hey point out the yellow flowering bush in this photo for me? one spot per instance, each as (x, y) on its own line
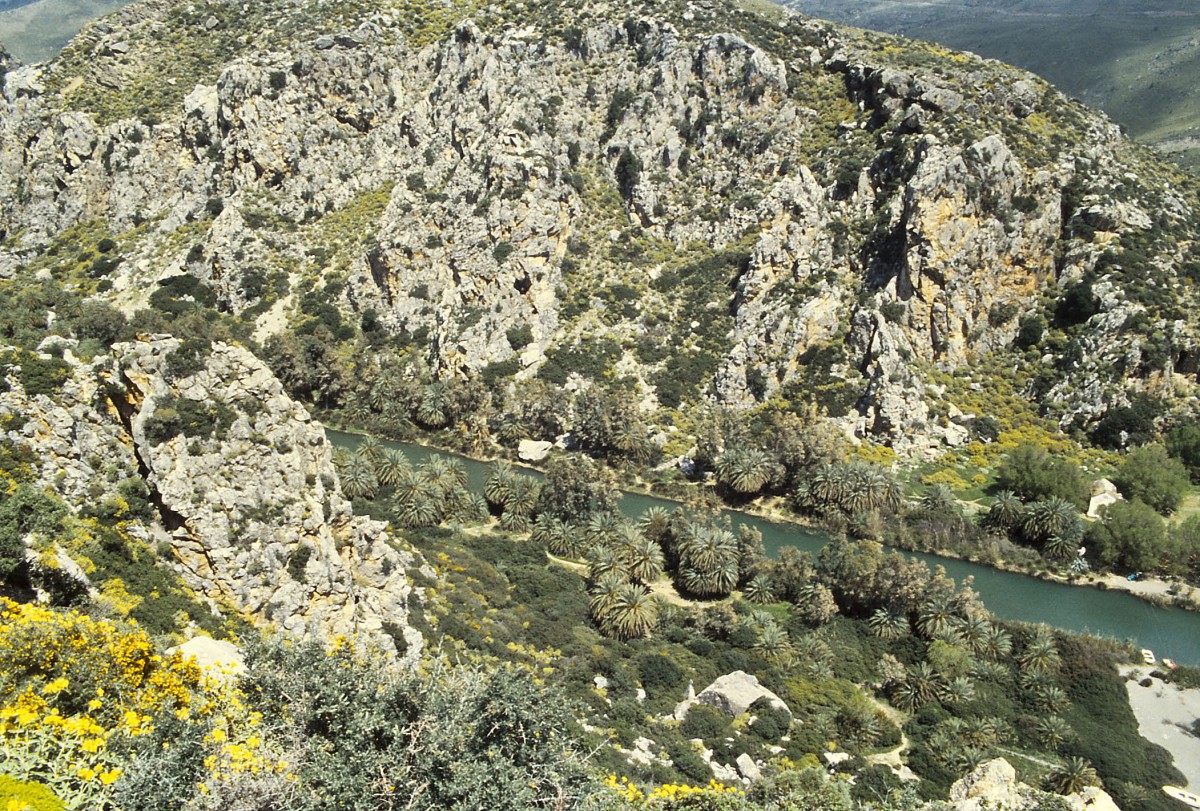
(70, 685)
(675, 796)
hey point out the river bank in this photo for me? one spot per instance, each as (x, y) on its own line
(1151, 590)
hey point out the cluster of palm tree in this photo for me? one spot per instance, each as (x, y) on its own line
(514, 495)
(747, 471)
(422, 495)
(709, 564)
(961, 744)
(622, 563)
(1052, 525)
(848, 489)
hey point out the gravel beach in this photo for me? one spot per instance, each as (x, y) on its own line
(1165, 714)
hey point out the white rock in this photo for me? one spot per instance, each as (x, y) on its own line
(534, 450)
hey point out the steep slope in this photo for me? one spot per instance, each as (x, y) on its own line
(706, 201)
(242, 480)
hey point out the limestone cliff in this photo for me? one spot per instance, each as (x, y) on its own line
(787, 206)
(242, 480)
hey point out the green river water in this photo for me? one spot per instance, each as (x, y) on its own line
(1168, 632)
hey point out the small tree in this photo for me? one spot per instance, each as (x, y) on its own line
(1034, 475)
(1150, 474)
(1131, 535)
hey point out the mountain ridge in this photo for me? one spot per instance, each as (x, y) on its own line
(910, 182)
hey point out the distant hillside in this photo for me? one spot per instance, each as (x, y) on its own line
(36, 31)
(1138, 61)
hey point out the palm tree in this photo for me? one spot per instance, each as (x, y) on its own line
(418, 503)
(445, 472)
(905, 697)
(1005, 513)
(391, 465)
(509, 431)
(938, 502)
(466, 507)
(358, 477)
(523, 496)
(420, 510)
(1072, 777)
(643, 558)
(1053, 731)
(888, 623)
(514, 522)
(370, 448)
(655, 524)
(634, 614)
(936, 619)
(433, 407)
(973, 632)
(724, 577)
(1052, 518)
(1061, 549)
(565, 542)
(758, 590)
(960, 690)
(603, 560)
(1052, 698)
(629, 439)
(997, 644)
(746, 470)
(603, 529)
(926, 682)
(695, 581)
(497, 487)
(604, 594)
(773, 641)
(707, 547)
(1040, 654)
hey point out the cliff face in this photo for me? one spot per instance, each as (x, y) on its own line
(788, 206)
(241, 477)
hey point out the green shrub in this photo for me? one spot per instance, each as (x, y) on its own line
(772, 722)
(1131, 535)
(502, 251)
(298, 561)
(458, 737)
(658, 672)
(519, 337)
(705, 722)
(38, 375)
(26, 509)
(1127, 425)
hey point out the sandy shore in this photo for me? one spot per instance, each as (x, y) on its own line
(1165, 714)
(1149, 588)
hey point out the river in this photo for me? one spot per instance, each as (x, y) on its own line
(1169, 632)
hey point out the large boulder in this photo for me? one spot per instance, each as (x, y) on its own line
(732, 694)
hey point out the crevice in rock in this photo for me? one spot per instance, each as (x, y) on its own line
(126, 410)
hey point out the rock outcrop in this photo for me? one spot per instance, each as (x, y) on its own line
(242, 479)
(790, 213)
(993, 786)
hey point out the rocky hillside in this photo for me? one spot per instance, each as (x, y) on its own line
(701, 200)
(246, 503)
